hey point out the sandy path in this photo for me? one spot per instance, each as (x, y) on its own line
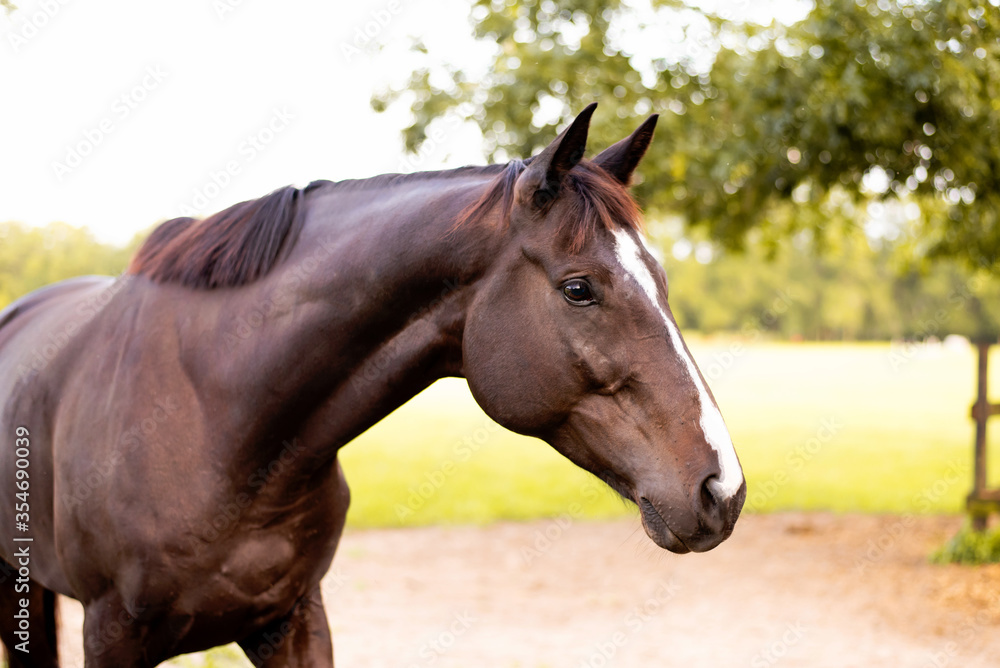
(786, 590)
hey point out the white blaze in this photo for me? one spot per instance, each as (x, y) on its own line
(712, 424)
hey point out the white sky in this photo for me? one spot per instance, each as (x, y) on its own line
(216, 80)
(164, 97)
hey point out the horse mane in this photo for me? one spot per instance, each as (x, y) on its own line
(233, 247)
(240, 244)
(602, 201)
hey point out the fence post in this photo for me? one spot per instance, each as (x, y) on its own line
(981, 413)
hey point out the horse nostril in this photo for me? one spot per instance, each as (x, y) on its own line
(719, 507)
(710, 501)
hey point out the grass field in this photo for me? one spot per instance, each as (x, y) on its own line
(843, 427)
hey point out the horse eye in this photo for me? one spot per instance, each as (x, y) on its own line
(577, 292)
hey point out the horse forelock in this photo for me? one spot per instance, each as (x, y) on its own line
(598, 201)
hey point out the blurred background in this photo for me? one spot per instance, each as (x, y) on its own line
(823, 188)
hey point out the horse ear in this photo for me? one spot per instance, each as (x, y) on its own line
(540, 182)
(621, 159)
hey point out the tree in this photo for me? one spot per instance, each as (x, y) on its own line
(31, 257)
(895, 99)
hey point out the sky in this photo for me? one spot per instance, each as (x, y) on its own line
(116, 115)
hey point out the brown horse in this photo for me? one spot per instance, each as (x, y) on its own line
(177, 427)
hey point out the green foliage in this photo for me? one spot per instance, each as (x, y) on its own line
(851, 291)
(901, 90)
(970, 547)
(31, 257)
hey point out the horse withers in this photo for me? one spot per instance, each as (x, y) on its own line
(183, 420)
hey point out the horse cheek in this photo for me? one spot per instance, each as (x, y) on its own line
(513, 371)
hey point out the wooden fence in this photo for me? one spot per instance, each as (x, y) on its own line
(982, 500)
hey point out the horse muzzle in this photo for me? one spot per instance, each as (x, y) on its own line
(696, 526)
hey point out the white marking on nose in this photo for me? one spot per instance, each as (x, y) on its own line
(712, 424)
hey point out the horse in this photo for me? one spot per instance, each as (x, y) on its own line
(175, 429)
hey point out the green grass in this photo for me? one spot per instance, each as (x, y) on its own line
(230, 656)
(970, 547)
(440, 459)
(898, 439)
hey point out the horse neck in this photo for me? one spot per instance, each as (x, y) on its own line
(367, 310)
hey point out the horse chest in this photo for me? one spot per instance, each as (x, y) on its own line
(243, 562)
(275, 556)
(254, 577)
(265, 565)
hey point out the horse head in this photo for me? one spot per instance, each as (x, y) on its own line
(570, 338)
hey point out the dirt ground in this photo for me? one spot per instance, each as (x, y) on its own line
(789, 590)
